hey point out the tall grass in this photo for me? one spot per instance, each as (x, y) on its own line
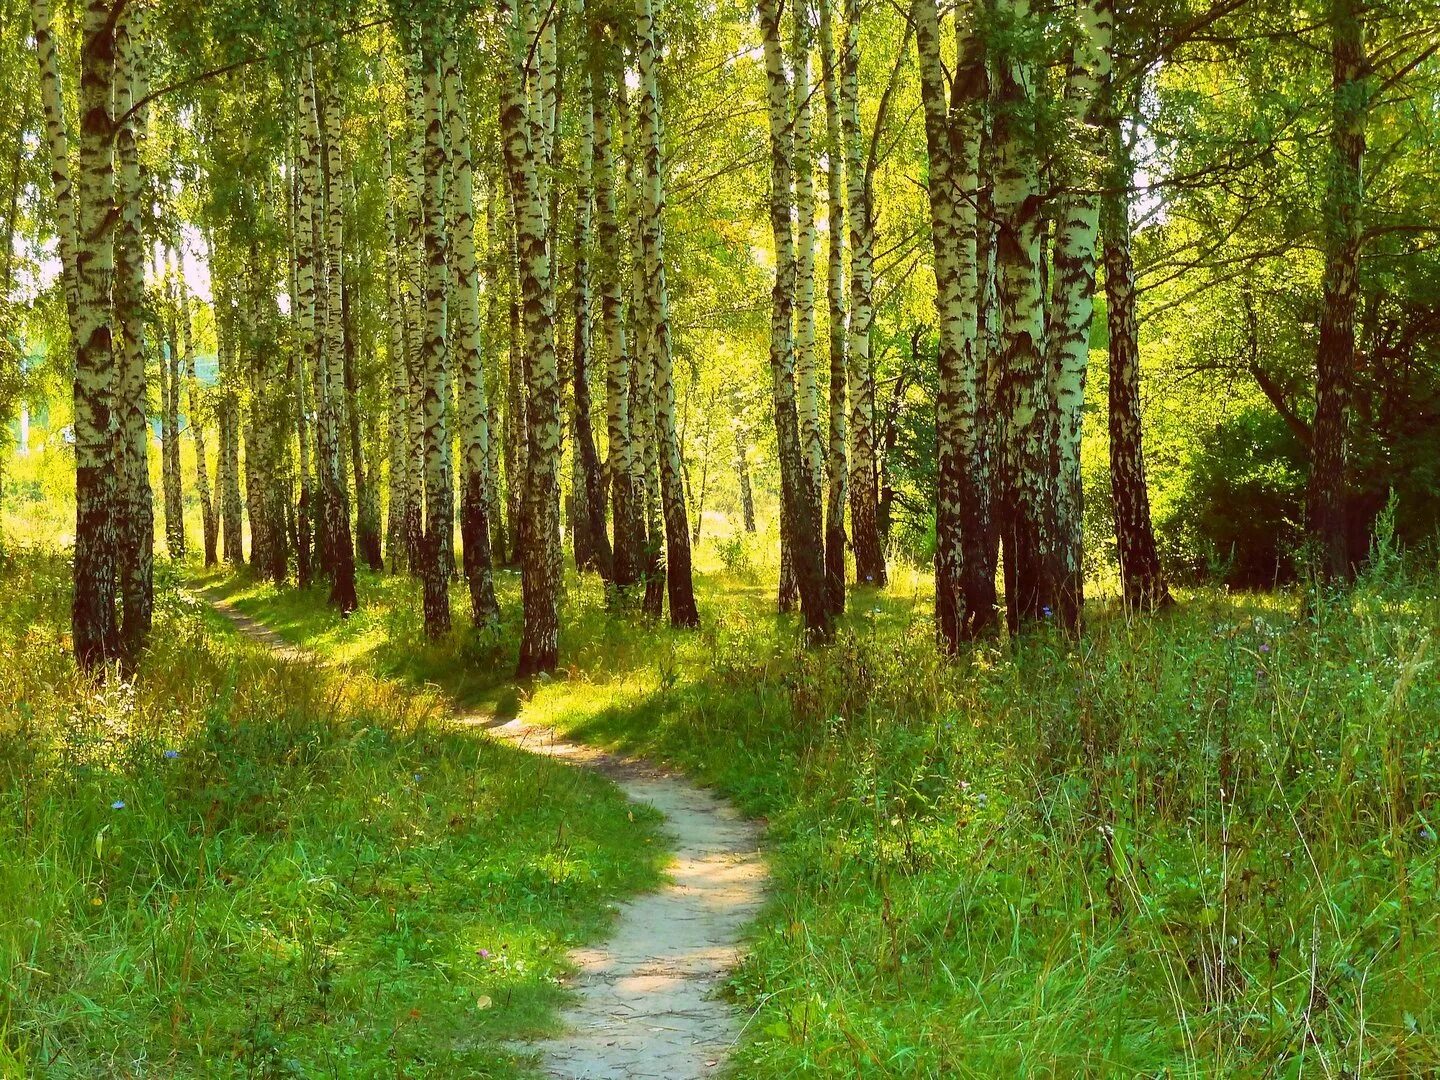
(238, 866)
(1202, 844)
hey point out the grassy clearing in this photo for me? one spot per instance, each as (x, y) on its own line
(241, 867)
(1198, 845)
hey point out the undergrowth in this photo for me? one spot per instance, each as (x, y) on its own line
(1200, 844)
(237, 866)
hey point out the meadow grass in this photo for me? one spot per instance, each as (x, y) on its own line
(239, 866)
(1199, 844)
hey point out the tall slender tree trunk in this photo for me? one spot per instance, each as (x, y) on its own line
(170, 418)
(416, 272)
(473, 410)
(802, 509)
(680, 584)
(398, 413)
(590, 535)
(836, 465)
(57, 138)
(135, 507)
(953, 121)
(1142, 579)
(864, 493)
(1335, 359)
(516, 428)
(305, 509)
(540, 577)
(627, 552)
(439, 514)
(93, 616)
(1077, 221)
(367, 496)
(1026, 489)
(231, 507)
(496, 265)
(642, 372)
(807, 361)
(742, 480)
(334, 489)
(209, 525)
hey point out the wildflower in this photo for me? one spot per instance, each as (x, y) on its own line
(418, 777)
(118, 804)
(982, 800)
(1265, 647)
(1427, 834)
(171, 755)
(1046, 611)
(484, 954)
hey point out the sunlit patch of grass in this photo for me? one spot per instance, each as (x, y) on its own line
(1197, 844)
(240, 866)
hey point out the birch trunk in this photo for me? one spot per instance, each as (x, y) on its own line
(802, 510)
(742, 480)
(473, 410)
(439, 514)
(495, 274)
(305, 510)
(1077, 222)
(209, 526)
(57, 138)
(397, 415)
(367, 496)
(170, 423)
(624, 498)
(807, 368)
(1141, 577)
(1026, 486)
(642, 372)
(680, 585)
(135, 509)
(330, 357)
(540, 579)
(231, 508)
(837, 467)
(415, 262)
(864, 493)
(516, 428)
(590, 535)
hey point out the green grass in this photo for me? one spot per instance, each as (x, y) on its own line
(1197, 845)
(311, 873)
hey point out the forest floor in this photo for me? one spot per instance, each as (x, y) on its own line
(1200, 844)
(646, 1006)
(249, 866)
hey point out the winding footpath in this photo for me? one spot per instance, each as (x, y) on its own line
(646, 1004)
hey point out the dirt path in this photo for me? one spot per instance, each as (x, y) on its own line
(646, 1005)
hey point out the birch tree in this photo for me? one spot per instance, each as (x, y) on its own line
(135, 512)
(209, 525)
(94, 625)
(592, 542)
(860, 213)
(439, 514)
(1026, 489)
(1077, 220)
(796, 493)
(680, 585)
(540, 576)
(623, 496)
(836, 465)
(473, 410)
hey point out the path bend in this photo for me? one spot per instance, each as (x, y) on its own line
(647, 1005)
